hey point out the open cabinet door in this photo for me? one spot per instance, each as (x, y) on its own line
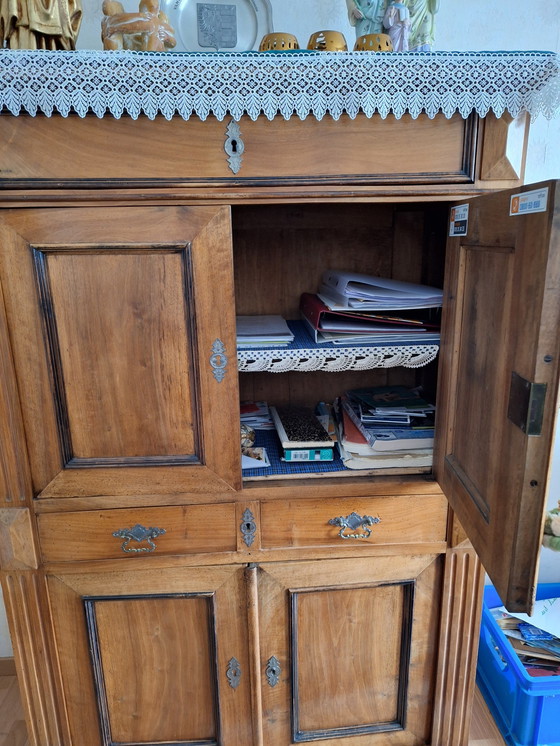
(498, 388)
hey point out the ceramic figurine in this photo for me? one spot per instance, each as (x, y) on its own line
(422, 24)
(366, 16)
(397, 23)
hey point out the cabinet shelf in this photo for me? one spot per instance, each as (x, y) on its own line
(280, 469)
(304, 355)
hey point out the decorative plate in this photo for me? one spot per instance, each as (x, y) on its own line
(218, 25)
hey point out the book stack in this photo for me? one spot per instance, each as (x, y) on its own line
(389, 421)
(262, 331)
(353, 308)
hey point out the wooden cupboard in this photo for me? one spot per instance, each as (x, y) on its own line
(156, 597)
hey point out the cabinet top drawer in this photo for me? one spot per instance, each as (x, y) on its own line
(254, 153)
(353, 521)
(110, 534)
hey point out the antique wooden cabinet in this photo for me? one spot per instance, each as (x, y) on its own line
(154, 595)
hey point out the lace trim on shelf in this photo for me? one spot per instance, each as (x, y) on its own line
(335, 360)
(286, 83)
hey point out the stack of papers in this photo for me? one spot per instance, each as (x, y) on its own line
(389, 418)
(535, 638)
(343, 290)
(256, 414)
(262, 331)
(356, 326)
(357, 453)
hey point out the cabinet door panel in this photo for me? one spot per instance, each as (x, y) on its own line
(367, 632)
(171, 640)
(144, 656)
(122, 321)
(500, 336)
(118, 365)
(355, 641)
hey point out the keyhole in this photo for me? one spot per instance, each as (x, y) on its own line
(234, 146)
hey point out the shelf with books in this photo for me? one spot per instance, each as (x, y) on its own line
(396, 463)
(303, 354)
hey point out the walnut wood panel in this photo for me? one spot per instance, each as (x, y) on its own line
(15, 482)
(281, 251)
(495, 163)
(306, 523)
(90, 148)
(501, 316)
(126, 389)
(353, 629)
(18, 550)
(162, 644)
(362, 149)
(356, 150)
(89, 535)
(272, 489)
(29, 618)
(356, 648)
(102, 309)
(458, 647)
(171, 640)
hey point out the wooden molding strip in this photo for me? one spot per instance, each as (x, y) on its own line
(251, 576)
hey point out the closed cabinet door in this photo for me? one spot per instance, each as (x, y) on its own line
(122, 328)
(153, 658)
(347, 650)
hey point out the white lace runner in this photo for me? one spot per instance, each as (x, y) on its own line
(290, 84)
(335, 360)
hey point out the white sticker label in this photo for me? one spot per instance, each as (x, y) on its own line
(459, 220)
(535, 201)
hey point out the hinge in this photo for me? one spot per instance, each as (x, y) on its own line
(526, 404)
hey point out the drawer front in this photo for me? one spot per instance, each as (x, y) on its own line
(297, 152)
(359, 151)
(110, 534)
(353, 521)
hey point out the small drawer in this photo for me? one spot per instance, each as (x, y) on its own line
(110, 534)
(354, 521)
(360, 151)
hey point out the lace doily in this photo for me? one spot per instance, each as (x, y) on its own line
(300, 84)
(335, 360)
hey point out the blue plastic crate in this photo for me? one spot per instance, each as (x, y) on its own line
(526, 708)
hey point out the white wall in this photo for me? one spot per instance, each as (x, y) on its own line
(461, 26)
(5, 645)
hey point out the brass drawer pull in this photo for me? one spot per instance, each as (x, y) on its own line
(352, 522)
(138, 533)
